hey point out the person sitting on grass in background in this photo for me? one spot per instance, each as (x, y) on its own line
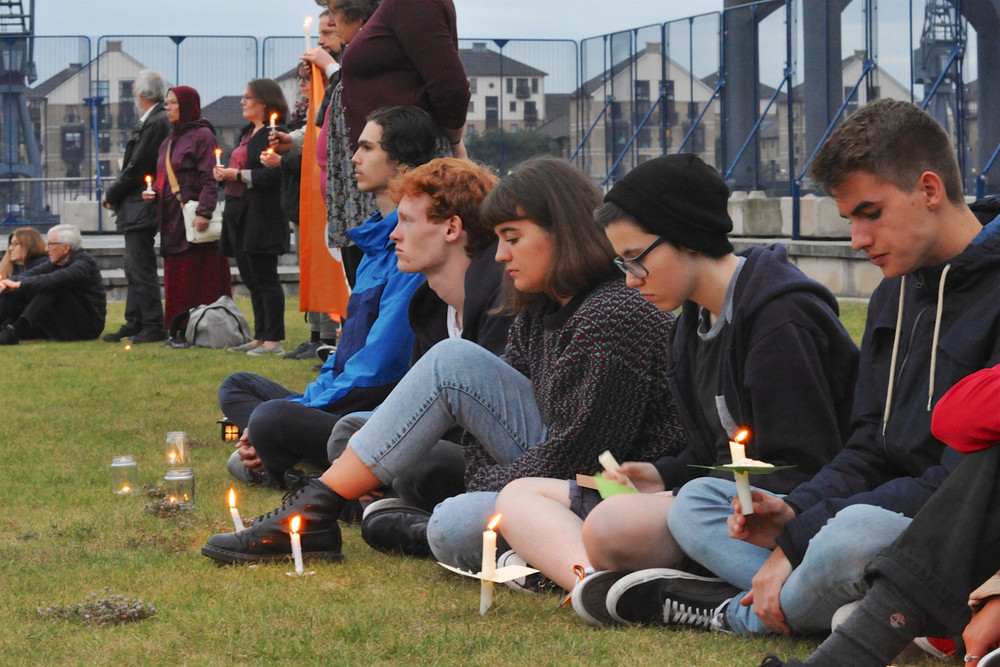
(281, 427)
(757, 345)
(25, 250)
(919, 583)
(61, 299)
(583, 371)
(797, 559)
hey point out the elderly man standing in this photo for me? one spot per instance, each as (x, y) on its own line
(137, 218)
(63, 299)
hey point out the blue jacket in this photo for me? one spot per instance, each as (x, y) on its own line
(788, 373)
(900, 465)
(374, 349)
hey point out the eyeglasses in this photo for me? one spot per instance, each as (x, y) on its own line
(634, 265)
(53, 243)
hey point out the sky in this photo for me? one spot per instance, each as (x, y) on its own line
(552, 19)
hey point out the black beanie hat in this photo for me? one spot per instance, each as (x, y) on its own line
(680, 198)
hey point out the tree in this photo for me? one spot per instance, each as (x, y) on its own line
(516, 147)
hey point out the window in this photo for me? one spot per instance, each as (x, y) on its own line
(530, 112)
(510, 85)
(470, 130)
(99, 89)
(513, 128)
(642, 90)
(472, 86)
(513, 107)
(534, 86)
(472, 106)
(104, 141)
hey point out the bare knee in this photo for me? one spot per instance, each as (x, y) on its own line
(629, 532)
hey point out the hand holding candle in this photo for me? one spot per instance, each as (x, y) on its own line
(149, 184)
(610, 465)
(237, 519)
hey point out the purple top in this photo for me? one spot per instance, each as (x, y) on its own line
(192, 156)
(407, 53)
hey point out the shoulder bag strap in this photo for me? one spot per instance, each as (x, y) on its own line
(174, 186)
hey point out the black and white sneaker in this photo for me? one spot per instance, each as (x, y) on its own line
(532, 583)
(661, 596)
(590, 595)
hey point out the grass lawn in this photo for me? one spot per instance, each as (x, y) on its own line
(69, 407)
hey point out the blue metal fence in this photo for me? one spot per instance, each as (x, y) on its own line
(736, 87)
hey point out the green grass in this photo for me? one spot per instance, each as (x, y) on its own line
(67, 408)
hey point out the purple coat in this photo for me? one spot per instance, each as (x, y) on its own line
(192, 155)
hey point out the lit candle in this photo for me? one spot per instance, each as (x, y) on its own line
(737, 450)
(305, 29)
(149, 184)
(172, 458)
(274, 117)
(489, 565)
(296, 543)
(270, 151)
(237, 519)
(218, 157)
(126, 489)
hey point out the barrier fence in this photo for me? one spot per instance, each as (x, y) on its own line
(736, 87)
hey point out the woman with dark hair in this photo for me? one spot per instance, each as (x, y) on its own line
(25, 250)
(254, 229)
(583, 371)
(193, 273)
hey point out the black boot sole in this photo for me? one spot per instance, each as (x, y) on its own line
(225, 556)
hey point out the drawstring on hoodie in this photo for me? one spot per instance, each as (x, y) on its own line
(895, 346)
(937, 332)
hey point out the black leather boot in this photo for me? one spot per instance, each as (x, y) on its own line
(394, 527)
(268, 538)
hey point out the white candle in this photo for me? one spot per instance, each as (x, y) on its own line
(305, 29)
(218, 157)
(237, 519)
(489, 566)
(274, 117)
(149, 184)
(738, 452)
(296, 544)
(610, 465)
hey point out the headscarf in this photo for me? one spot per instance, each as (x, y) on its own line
(189, 108)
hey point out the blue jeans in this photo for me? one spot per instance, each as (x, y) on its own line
(830, 575)
(457, 383)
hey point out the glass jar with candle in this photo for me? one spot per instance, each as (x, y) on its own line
(178, 485)
(177, 448)
(124, 474)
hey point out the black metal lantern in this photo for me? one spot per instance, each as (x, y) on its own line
(230, 431)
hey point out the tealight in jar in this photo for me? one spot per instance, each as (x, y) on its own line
(177, 448)
(124, 475)
(178, 485)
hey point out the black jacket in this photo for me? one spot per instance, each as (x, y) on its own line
(78, 275)
(255, 221)
(428, 313)
(900, 468)
(125, 193)
(788, 373)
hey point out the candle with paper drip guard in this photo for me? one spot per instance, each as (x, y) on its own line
(489, 574)
(738, 452)
(294, 524)
(305, 29)
(218, 157)
(149, 184)
(237, 519)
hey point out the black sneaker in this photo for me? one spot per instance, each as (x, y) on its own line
(661, 596)
(532, 583)
(775, 661)
(8, 336)
(392, 526)
(590, 595)
(323, 352)
(126, 330)
(306, 350)
(151, 335)
(267, 538)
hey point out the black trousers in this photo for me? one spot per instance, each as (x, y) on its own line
(952, 546)
(143, 307)
(259, 272)
(50, 314)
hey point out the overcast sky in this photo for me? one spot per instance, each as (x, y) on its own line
(562, 19)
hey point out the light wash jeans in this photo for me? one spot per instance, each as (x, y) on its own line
(456, 383)
(830, 575)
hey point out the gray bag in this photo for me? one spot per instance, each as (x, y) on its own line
(218, 324)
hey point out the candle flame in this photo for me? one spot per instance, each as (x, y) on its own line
(172, 499)
(296, 521)
(742, 435)
(307, 22)
(149, 179)
(172, 456)
(218, 152)
(128, 347)
(274, 117)
(126, 488)
(493, 522)
(232, 498)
